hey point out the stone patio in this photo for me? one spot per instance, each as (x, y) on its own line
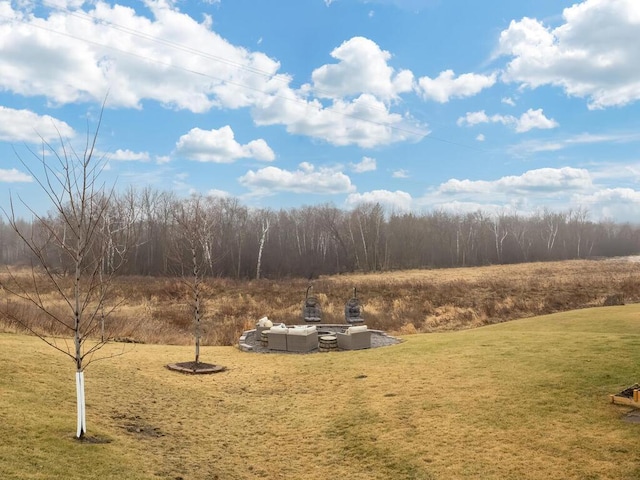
(249, 343)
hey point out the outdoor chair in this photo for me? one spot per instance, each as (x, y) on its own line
(311, 311)
(303, 338)
(353, 310)
(354, 338)
(277, 338)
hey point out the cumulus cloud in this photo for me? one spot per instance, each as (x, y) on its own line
(446, 86)
(28, 126)
(540, 180)
(306, 179)
(128, 156)
(14, 176)
(143, 58)
(367, 164)
(555, 188)
(364, 121)
(619, 203)
(528, 121)
(170, 58)
(394, 201)
(593, 54)
(220, 146)
(362, 68)
(216, 193)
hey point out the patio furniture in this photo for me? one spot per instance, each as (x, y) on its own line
(303, 338)
(311, 311)
(356, 337)
(353, 309)
(277, 338)
(262, 325)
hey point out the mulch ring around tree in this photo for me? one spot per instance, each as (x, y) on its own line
(195, 368)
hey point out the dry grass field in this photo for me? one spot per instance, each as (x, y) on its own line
(520, 400)
(156, 310)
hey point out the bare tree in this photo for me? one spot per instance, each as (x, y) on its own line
(193, 250)
(74, 234)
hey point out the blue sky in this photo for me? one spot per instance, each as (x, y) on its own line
(457, 105)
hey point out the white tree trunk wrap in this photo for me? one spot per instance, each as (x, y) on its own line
(82, 421)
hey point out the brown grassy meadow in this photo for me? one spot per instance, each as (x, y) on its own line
(156, 310)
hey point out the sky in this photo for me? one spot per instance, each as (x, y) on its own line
(452, 105)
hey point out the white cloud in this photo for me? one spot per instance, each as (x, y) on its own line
(362, 68)
(475, 118)
(533, 146)
(215, 193)
(619, 203)
(364, 121)
(528, 121)
(367, 164)
(547, 180)
(394, 201)
(14, 176)
(402, 173)
(480, 137)
(534, 119)
(144, 58)
(508, 101)
(220, 146)
(183, 64)
(307, 179)
(27, 126)
(559, 189)
(445, 86)
(593, 54)
(128, 156)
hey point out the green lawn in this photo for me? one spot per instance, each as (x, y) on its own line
(527, 399)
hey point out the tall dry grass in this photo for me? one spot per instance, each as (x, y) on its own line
(157, 310)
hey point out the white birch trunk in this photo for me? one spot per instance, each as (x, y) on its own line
(82, 421)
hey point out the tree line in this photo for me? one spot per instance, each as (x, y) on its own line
(161, 234)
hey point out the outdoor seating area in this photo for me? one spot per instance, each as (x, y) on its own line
(313, 336)
(305, 338)
(320, 338)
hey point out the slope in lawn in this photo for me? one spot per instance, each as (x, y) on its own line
(522, 400)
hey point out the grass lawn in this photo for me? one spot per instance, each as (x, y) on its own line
(526, 399)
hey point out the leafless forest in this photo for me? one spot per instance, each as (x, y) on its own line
(163, 233)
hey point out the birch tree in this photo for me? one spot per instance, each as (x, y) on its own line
(73, 233)
(193, 250)
(266, 223)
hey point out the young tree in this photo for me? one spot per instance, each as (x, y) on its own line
(74, 236)
(193, 250)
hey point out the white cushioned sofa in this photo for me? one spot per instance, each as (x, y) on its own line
(300, 338)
